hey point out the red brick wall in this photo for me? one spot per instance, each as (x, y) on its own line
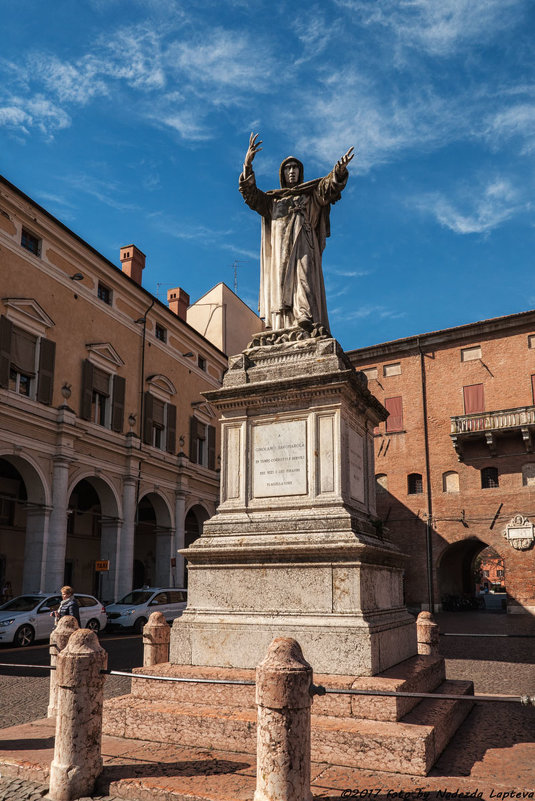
(505, 370)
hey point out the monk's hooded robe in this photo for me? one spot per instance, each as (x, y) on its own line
(295, 226)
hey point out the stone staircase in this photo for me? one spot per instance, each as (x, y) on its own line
(401, 735)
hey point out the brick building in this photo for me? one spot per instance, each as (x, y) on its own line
(107, 449)
(455, 461)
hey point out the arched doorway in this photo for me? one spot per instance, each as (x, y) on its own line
(92, 530)
(195, 519)
(23, 524)
(153, 543)
(456, 573)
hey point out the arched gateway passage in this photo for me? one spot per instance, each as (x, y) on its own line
(195, 519)
(153, 541)
(24, 513)
(458, 572)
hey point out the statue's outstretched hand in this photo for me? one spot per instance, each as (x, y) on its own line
(341, 165)
(253, 149)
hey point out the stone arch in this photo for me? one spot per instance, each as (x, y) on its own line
(196, 516)
(454, 568)
(450, 481)
(26, 499)
(153, 540)
(93, 530)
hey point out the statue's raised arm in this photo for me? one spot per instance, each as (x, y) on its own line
(253, 149)
(295, 225)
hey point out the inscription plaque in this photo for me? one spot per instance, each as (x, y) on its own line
(279, 459)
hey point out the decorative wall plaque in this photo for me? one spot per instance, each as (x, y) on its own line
(519, 533)
(279, 459)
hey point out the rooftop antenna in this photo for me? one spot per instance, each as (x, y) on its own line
(235, 265)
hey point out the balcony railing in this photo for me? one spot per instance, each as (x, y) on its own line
(493, 421)
(466, 426)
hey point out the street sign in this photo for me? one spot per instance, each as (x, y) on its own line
(102, 565)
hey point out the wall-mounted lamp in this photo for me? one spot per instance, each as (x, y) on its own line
(140, 320)
(188, 355)
(77, 277)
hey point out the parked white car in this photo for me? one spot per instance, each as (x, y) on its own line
(27, 617)
(134, 609)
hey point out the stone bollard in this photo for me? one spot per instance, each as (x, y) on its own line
(58, 640)
(427, 633)
(156, 638)
(283, 682)
(77, 761)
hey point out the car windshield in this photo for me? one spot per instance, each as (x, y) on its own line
(23, 603)
(136, 597)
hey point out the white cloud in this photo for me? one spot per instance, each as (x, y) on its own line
(474, 211)
(516, 121)
(369, 310)
(34, 112)
(439, 27)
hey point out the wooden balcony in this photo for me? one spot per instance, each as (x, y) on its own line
(490, 425)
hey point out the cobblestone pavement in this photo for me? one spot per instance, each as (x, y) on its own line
(21, 790)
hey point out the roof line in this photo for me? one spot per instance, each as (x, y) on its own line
(93, 250)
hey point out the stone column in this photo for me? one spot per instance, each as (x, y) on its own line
(77, 761)
(34, 549)
(283, 682)
(57, 527)
(156, 638)
(125, 551)
(58, 641)
(427, 633)
(180, 536)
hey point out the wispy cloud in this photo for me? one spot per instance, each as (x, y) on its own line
(516, 121)
(473, 210)
(438, 27)
(366, 311)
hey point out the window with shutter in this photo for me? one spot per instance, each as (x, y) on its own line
(102, 397)
(394, 407)
(474, 399)
(26, 362)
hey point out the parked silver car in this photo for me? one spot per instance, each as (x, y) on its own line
(134, 609)
(27, 617)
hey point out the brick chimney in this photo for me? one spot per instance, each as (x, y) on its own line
(132, 262)
(178, 301)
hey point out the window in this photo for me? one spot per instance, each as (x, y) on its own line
(471, 354)
(26, 362)
(159, 423)
(102, 399)
(202, 443)
(201, 362)
(7, 510)
(528, 474)
(533, 388)
(474, 399)
(392, 369)
(531, 341)
(394, 407)
(450, 481)
(500, 573)
(382, 481)
(370, 372)
(30, 242)
(489, 478)
(160, 333)
(104, 293)
(414, 484)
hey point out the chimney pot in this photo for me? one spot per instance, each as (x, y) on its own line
(132, 262)
(178, 302)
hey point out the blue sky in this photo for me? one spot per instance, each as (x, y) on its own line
(129, 121)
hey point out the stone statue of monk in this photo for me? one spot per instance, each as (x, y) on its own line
(295, 225)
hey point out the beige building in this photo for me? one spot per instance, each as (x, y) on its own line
(107, 449)
(223, 318)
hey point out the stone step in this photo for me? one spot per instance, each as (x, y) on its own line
(417, 674)
(410, 746)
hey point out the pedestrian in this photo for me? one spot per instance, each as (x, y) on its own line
(68, 606)
(7, 592)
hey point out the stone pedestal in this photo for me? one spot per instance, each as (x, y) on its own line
(294, 549)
